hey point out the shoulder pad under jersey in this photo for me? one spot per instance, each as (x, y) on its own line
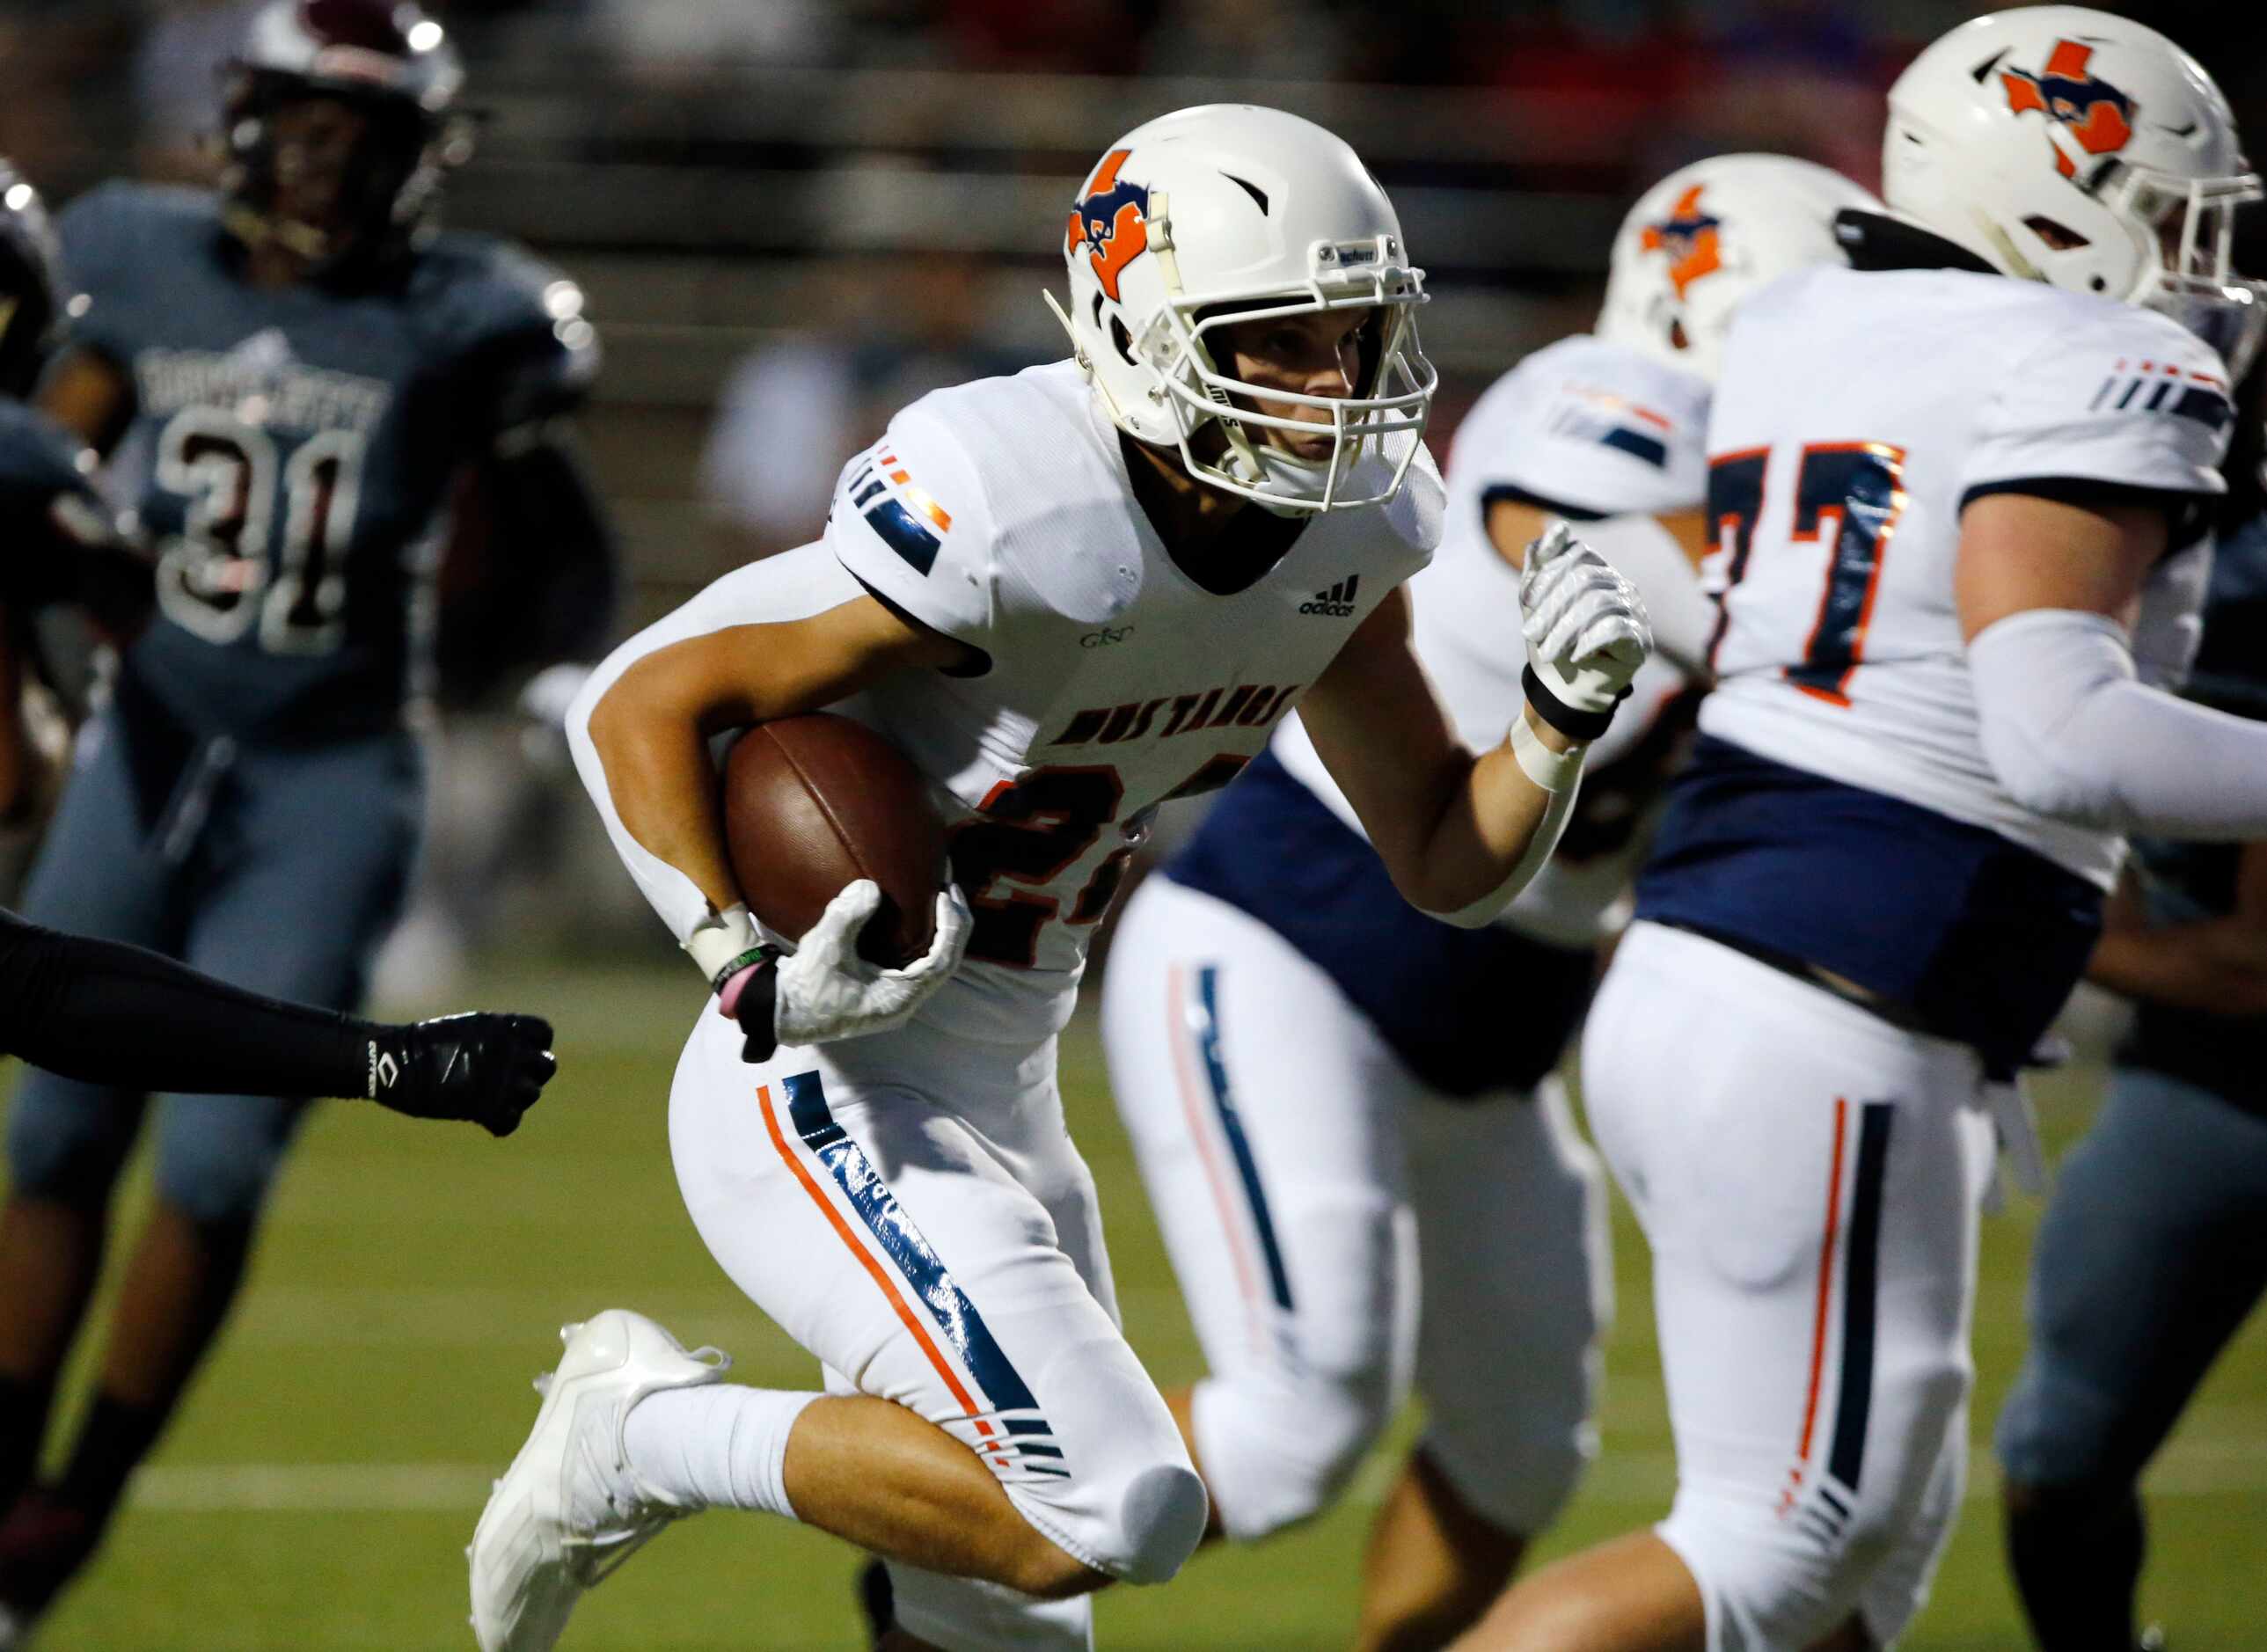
(1591, 428)
(911, 522)
(2097, 392)
(515, 321)
(126, 248)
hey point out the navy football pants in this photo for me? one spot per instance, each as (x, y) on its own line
(279, 871)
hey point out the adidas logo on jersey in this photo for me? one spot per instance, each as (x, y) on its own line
(1338, 602)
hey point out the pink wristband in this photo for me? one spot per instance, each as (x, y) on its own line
(728, 996)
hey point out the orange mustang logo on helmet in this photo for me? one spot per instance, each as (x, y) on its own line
(1690, 237)
(2096, 114)
(1108, 222)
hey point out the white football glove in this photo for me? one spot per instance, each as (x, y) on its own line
(823, 990)
(1586, 628)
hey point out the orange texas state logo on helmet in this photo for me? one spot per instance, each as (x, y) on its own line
(2097, 115)
(1109, 221)
(1690, 236)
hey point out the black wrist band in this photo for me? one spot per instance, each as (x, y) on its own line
(1574, 723)
(755, 957)
(757, 1014)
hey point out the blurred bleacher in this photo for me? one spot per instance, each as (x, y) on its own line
(791, 215)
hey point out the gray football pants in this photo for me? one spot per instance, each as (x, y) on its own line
(280, 870)
(2151, 1255)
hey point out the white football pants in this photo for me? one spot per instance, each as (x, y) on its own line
(1810, 1178)
(910, 1208)
(1306, 1182)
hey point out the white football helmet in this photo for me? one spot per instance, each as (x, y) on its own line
(2066, 145)
(1706, 236)
(1231, 213)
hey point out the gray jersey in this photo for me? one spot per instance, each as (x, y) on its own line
(291, 450)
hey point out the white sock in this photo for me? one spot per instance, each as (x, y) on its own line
(719, 1446)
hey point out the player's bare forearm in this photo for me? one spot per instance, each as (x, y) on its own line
(88, 396)
(2218, 965)
(651, 727)
(1450, 827)
(2215, 965)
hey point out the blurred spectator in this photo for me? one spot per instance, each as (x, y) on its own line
(1796, 77)
(59, 89)
(1281, 39)
(669, 38)
(794, 412)
(1085, 37)
(177, 75)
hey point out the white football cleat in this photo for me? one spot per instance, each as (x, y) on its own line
(569, 1510)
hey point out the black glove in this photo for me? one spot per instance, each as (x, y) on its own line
(485, 1069)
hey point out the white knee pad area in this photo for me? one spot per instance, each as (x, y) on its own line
(958, 1612)
(1279, 1444)
(1518, 1476)
(1777, 1584)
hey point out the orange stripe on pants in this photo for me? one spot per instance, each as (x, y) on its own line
(896, 1298)
(1825, 1294)
(1177, 1035)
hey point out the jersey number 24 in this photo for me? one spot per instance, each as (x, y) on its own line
(1032, 831)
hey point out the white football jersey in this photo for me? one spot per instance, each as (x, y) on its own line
(1857, 415)
(1612, 437)
(1001, 514)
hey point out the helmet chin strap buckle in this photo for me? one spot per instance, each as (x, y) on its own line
(2010, 257)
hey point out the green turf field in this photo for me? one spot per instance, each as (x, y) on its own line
(324, 1479)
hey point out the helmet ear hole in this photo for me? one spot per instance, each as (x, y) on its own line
(1678, 338)
(2059, 236)
(1120, 338)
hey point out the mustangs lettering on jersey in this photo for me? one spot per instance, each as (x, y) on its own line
(1054, 749)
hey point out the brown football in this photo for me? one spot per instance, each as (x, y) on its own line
(815, 802)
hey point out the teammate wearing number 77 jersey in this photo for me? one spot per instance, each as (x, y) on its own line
(1958, 488)
(1067, 595)
(289, 375)
(1365, 1175)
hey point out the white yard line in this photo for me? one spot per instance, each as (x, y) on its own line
(189, 1489)
(2200, 1468)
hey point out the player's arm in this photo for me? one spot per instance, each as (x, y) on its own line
(551, 581)
(2070, 497)
(550, 515)
(1659, 555)
(107, 1014)
(788, 635)
(2047, 592)
(1460, 835)
(647, 730)
(2217, 965)
(90, 395)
